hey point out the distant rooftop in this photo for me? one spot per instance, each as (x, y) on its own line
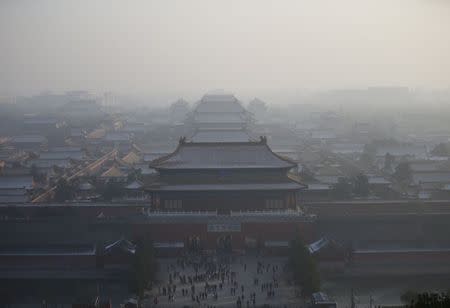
(117, 136)
(402, 150)
(16, 182)
(76, 155)
(221, 136)
(113, 172)
(219, 102)
(29, 139)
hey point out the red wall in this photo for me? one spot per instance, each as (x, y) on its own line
(51, 262)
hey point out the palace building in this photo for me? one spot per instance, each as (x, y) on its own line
(224, 177)
(220, 117)
(226, 196)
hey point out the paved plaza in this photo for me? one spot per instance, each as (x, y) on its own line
(223, 282)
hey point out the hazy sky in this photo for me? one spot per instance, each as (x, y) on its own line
(250, 47)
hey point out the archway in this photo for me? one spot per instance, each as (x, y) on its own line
(224, 243)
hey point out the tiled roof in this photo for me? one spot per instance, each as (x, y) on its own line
(29, 139)
(134, 185)
(148, 157)
(247, 155)
(61, 155)
(48, 163)
(219, 103)
(113, 172)
(232, 187)
(97, 133)
(121, 244)
(131, 158)
(430, 177)
(116, 136)
(318, 245)
(85, 186)
(219, 117)
(221, 136)
(15, 182)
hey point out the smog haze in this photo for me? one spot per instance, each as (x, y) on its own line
(173, 48)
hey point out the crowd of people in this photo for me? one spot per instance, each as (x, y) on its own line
(204, 280)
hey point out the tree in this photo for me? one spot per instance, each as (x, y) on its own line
(112, 190)
(388, 161)
(304, 267)
(361, 185)
(143, 267)
(368, 155)
(403, 172)
(37, 177)
(64, 191)
(442, 149)
(343, 188)
(134, 175)
(426, 300)
(409, 296)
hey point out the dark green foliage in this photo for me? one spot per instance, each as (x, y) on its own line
(442, 149)
(37, 176)
(134, 175)
(343, 189)
(429, 300)
(388, 161)
(368, 155)
(403, 172)
(64, 191)
(361, 185)
(304, 267)
(409, 296)
(112, 190)
(144, 266)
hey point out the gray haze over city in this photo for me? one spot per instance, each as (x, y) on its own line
(164, 49)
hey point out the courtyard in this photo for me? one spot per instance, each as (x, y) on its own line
(223, 281)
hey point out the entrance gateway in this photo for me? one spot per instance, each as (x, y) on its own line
(225, 238)
(224, 227)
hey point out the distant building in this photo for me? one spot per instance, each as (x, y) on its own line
(82, 112)
(118, 140)
(15, 189)
(220, 117)
(34, 143)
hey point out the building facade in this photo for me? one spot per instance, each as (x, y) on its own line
(234, 196)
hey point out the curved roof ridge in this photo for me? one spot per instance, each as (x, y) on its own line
(216, 155)
(286, 159)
